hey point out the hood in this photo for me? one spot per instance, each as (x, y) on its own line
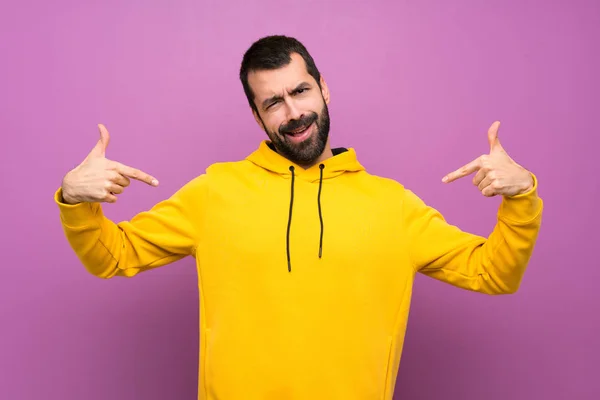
(343, 160)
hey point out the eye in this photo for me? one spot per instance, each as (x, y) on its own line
(272, 104)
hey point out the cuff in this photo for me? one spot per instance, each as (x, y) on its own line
(76, 215)
(522, 207)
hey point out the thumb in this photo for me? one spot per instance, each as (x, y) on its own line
(100, 149)
(493, 136)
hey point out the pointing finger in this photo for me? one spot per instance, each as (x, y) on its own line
(463, 171)
(135, 173)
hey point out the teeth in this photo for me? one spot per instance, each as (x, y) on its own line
(299, 130)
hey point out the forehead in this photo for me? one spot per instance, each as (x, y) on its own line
(267, 83)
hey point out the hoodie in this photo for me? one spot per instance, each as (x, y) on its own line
(305, 275)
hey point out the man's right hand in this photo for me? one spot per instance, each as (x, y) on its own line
(98, 179)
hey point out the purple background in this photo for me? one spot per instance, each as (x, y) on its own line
(414, 87)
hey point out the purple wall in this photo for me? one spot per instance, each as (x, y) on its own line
(414, 85)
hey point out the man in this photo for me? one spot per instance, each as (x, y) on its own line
(305, 261)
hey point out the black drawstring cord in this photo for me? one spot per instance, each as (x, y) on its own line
(290, 222)
(321, 166)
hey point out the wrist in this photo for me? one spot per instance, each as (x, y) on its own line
(66, 197)
(527, 184)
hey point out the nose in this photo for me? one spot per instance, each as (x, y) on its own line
(294, 112)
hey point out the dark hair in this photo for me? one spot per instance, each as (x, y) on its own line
(272, 52)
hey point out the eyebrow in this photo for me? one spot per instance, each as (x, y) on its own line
(277, 97)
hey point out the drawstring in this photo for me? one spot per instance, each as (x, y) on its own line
(287, 238)
(290, 222)
(321, 166)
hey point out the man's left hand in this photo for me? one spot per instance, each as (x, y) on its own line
(497, 173)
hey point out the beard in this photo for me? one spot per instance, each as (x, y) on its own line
(307, 151)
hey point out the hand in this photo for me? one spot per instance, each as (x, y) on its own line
(497, 173)
(98, 179)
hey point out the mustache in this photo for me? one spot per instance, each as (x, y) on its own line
(298, 123)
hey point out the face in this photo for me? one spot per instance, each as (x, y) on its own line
(292, 110)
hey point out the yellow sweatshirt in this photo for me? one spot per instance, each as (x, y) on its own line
(305, 276)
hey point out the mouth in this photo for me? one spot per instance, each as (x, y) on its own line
(300, 134)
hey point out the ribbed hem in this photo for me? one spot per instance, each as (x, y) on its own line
(523, 207)
(76, 215)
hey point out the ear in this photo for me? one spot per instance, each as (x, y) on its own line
(324, 90)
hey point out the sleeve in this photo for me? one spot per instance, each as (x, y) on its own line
(166, 233)
(492, 265)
